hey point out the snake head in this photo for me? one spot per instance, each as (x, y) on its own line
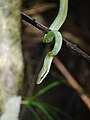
(45, 69)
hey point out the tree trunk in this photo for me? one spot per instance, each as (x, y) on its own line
(11, 59)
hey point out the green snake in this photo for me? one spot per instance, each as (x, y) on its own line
(55, 26)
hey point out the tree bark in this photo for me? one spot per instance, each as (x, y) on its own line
(11, 59)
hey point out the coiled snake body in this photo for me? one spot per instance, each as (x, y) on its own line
(55, 26)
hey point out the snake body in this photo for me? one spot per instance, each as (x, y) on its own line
(55, 26)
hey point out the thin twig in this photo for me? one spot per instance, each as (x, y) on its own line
(43, 28)
(72, 81)
(33, 22)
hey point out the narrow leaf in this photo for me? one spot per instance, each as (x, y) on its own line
(35, 114)
(45, 89)
(42, 108)
(51, 108)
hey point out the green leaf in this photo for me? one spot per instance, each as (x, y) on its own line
(35, 114)
(53, 109)
(51, 112)
(54, 114)
(45, 89)
(42, 108)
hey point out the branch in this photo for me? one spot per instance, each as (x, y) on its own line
(43, 28)
(72, 81)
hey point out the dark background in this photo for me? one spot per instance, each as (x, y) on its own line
(76, 29)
